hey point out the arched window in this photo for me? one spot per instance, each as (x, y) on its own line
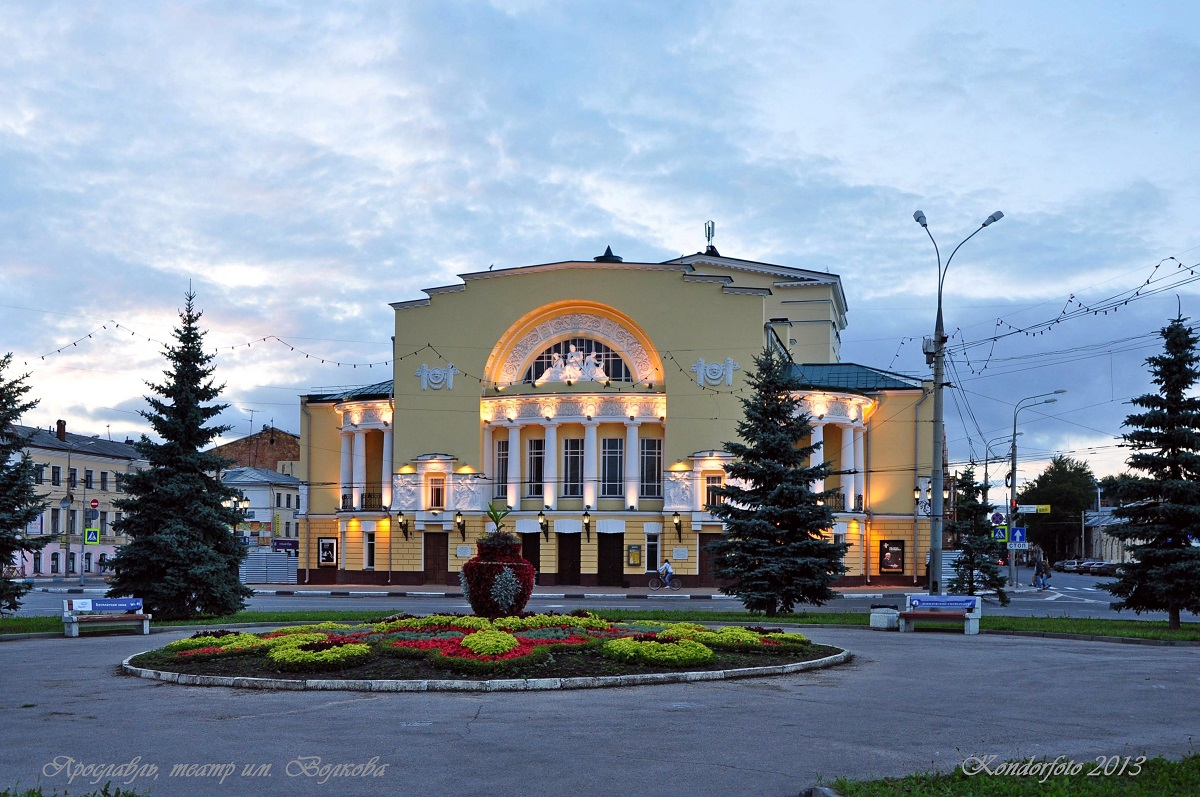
(610, 361)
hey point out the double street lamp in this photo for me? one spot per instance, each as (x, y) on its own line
(936, 353)
(1012, 496)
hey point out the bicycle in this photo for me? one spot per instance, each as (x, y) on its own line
(656, 583)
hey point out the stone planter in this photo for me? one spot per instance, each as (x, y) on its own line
(497, 582)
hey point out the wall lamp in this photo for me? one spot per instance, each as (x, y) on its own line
(678, 524)
(587, 524)
(402, 522)
(461, 525)
(544, 524)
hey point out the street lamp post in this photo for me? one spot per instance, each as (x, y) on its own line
(1012, 495)
(987, 456)
(935, 351)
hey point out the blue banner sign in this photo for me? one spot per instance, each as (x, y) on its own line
(116, 604)
(943, 602)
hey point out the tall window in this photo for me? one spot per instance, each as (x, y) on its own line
(712, 482)
(651, 467)
(500, 470)
(103, 562)
(87, 562)
(279, 500)
(369, 550)
(535, 468)
(55, 521)
(104, 480)
(104, 522)
(73, 478)
(437, 492)
(56, 475)
(39, 474)
(70, 563)
(573, 467)
(612, 467)
(71, 522)
(88, 478)
(37, 562)
(54, 560)
(287, 501)
(652, 562)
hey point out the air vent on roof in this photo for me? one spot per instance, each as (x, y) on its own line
(608, 257)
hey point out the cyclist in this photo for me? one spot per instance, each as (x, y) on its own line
(665, 571)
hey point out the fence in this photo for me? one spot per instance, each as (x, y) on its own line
(268, 567)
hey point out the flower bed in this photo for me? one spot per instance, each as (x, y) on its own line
(440, 646)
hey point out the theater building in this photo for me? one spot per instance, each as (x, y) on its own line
(594, 398)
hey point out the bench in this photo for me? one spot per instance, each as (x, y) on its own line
(104, 613)
(922, 608)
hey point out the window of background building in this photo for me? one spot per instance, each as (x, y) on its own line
(55, 521)
(87, 561)
(70, 563)
(104, 480)
(88, 478)
(279, 500)
(500, 470)
(39, 474)
(73, 477)
(37, 562)
(437, 492)
(572, 467)
(56, 475)
(712, 481)
(103, 562)
(71, 514)
(104, 522)
(368, 550)
(651, 467)
(287, 501)
(652, 562)
(535, 468)
(54, 562)
(612, 467)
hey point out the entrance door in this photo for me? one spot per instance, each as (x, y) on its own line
(568, 559)
(437, 556)
(610, 570)
(531, 549)
(707, 579)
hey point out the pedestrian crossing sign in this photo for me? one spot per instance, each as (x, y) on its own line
(1000, 534)
(91, 536)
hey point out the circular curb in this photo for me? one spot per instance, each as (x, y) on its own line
(502, 685)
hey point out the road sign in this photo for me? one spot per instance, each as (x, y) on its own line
(1017, 535)
(91, 536)
(997, 518)
(1018, 546)
(1000, 534)
(94, 503)
(91, 514)
(1034, 509)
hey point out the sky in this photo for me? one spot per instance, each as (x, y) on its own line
(302, 165)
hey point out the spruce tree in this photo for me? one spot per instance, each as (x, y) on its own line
(773, 549)
(1162, 508)
(182, 558)
(20, 504)
(976, 570)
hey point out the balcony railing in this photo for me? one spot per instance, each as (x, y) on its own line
(371, 502)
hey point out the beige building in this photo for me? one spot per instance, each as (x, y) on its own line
(80, 477)
(594, 397)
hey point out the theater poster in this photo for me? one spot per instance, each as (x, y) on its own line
(891, 556)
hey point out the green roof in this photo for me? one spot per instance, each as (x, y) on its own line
(379, 390)
(850, 376)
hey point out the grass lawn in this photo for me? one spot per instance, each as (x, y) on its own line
(1154, 778)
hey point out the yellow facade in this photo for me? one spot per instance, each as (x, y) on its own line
(594, 398)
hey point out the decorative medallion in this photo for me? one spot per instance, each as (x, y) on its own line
(713, 374)
(437, 378)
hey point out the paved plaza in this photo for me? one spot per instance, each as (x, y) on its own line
(906, 703)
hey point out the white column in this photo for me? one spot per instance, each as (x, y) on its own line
(514, 465)
(860, 478)
(360, 465)
(589, 463)
(488, 454)
(550, 467)
(632, 462)
(385, 476)
(346, 478)
(849, 462)
(818, 456)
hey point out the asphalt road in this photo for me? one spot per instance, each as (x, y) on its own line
(1070, 596)
(906, 703)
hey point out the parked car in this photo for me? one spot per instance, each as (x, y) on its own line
(1086, 566)
(1066, 565)
(1108, 569)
